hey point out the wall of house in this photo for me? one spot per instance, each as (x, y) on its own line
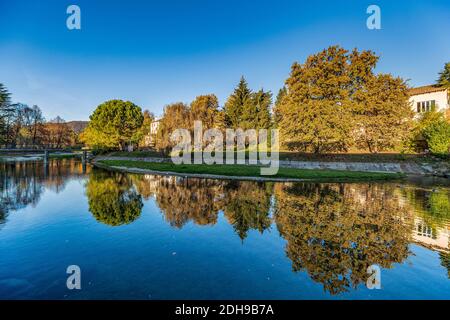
(441, 98)
(154, 127)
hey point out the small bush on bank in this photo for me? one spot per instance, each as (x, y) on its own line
(432, 133)
(437, 136)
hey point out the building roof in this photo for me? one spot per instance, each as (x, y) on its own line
(426, 89)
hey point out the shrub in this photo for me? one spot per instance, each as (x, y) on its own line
(431, 133)
(437, 136)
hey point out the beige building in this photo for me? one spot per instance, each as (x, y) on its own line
(149, 139)
(154, 126)
(427, 98)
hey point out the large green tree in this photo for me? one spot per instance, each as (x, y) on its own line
(114, 124)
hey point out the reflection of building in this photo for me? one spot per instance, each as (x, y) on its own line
(427, 98)
(434, 238)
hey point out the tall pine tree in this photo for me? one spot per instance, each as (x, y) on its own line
(246, 109)
(239, 100)
(263, 102)
(444, 76)
(282, 93)
(5, 112)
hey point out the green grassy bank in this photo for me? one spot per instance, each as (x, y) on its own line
(253, 171)
(326, 157)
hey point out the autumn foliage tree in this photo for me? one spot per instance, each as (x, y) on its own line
(316, 111)
(205, 108)
(143, 133)
(383, 115)
(176, 116)
(58, 133)
(335, 100)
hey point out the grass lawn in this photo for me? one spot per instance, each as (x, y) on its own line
(254, 171)
(137, 154)
(326, 157)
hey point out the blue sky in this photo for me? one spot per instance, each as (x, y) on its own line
(157, 52)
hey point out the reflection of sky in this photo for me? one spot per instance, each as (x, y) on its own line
(157, 52)
(150, 259)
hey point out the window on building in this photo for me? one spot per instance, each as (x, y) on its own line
(426, 106)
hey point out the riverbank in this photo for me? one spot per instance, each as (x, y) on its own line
(240, 172)
(410, 165)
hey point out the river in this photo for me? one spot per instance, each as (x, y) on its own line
(159, 237)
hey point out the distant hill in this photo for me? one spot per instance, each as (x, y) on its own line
(78, 126)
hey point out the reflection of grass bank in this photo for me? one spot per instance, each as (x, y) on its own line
(36, 156)
(64, 156)
(250, 171)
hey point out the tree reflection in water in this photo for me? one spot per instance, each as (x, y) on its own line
(333, 231)
(22, 183)
(336, 231)
(246, 205)
(182, 200)
(112, 198)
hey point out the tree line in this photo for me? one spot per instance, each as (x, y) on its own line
(333, 102)
(23, 126)
(244, 108)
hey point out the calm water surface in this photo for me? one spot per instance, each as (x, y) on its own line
(152, 237)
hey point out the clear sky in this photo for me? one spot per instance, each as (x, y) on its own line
(157, 52)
